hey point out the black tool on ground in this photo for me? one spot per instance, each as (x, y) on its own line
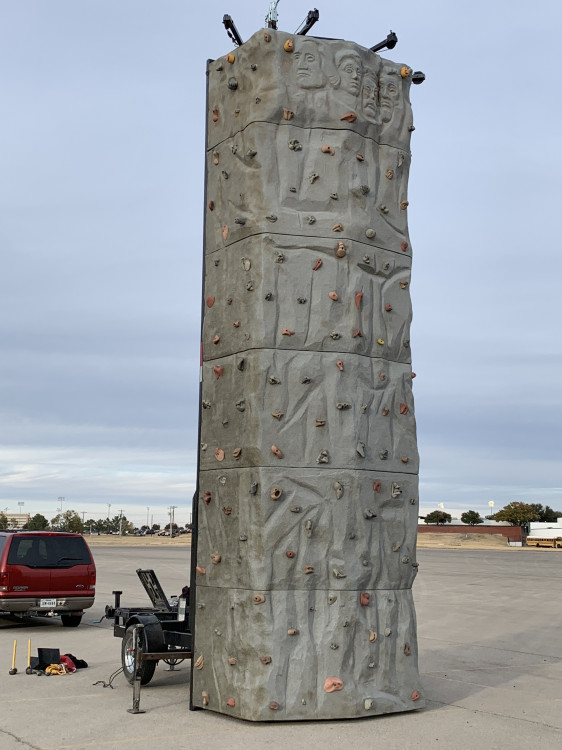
(231, 30)
(45, 657)
(308, 23)
(388, 43)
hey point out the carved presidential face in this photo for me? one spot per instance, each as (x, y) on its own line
(350, 69)
(389, 94)
(308, 66)
(369, 94)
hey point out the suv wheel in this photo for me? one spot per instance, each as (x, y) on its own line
(71, 621)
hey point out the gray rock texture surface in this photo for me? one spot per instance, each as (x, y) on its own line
(308, 499)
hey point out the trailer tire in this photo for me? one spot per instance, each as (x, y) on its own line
(128, 658)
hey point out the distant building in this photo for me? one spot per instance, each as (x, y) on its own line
(17, 520)
(546, 529)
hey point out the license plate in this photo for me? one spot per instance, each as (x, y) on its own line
(47, 602)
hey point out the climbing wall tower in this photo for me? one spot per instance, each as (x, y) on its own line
(307, 486)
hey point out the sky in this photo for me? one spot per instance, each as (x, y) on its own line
(102, 111)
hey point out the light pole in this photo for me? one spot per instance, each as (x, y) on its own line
(147, 512)
(61, 501)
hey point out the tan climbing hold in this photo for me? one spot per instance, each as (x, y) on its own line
(275, 450)
(216, 339)
(340, 250)
(277, 414)
(215, 558)
(292, 631)
(224, 233)
(205, 697)
(287, 332)
(403, 284)
(389, 174)
(265, 659)
(338, 227)
(308, 569)
(382, 377)
(339, 365)
(219, 454)
(333, 684)
(216, 157)
(404, 205)
(215, 115)
(227, 510)
(364, 599)
(333, 296)
(349, 117)
(236, 324)
(200, 570)
(358, 298)
(328, 150)
(267, 37)
(232, 660)
(320, 422)
(404, 408)
(199, 662)
(288, 114)
(404, 459)
(356, 333)
(218, 370)
(236, 453)
(275, 493)
(274, 706)
(258, 599)
(359, 157)
(415, 695)
(385, 412)
(372, 636)
(317, 264)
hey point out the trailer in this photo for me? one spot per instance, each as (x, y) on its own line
(151, 634)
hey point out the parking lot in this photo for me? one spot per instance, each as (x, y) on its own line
(490, 657)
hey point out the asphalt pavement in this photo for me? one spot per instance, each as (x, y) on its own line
(490, 656)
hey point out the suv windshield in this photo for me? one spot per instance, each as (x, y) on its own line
(48, 551)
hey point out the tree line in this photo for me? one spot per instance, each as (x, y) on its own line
(515, 513)
(71, 521)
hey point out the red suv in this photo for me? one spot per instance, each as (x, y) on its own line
(46, 573)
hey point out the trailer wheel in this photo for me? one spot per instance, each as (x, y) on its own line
(128, 658)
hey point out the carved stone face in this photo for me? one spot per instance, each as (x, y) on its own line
(389, 94)
(308, 66)
(350, 69)
(369, 97)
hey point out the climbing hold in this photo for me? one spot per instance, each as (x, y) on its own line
(333, 296)
(308, 569)
(382, 376)
(320, 422)
(383, 455)
(388, 307)
(310, 219)
(199, 662)
(359, 157)
(219, 454)
(210, 301)
(277, 414)
(206, 404)
(343, 405)
(323, 457)
(243, 538)
(332, 598)
(292, 631)
(404, 205)
(338, 489)
(404, 247)
(250, 153)
(339, 365)
(216, 339)
(240, 220)
(404, 459)
(200, 570)
(211, 205)
(301, 300)
(364, 599)
(271, 218)
(232, 660)
(388, 632)
(288, 114)
(349, 117)
(236, 453)
(241, 365)
(403, 284)
(385, 412)
(225, 174)
(265, 659)
(289, 45)
(207, 497)
(377, 486)
(360, 449)
(407, 649)
(273, 380)
(415, 695)
(389, 174)
(368, 513)
(287, 332)
(395, 490)
(267, 37)
(306, 380)
(205, 698)
(372, 636)
(232, 85)
(227, 510)
(356, 333)
(276, 493)
(296, 509)
(338, 573)
(246, 264)
(370, 233)
(290, 554)
(269, 296)
(215, 115)
(295, 145)
(230, 58)
(231, 702)
(258, 599)
(383, 209)
(224, 233)
(403, 408)
(317, 264)
(253, 488)
(413, 375)
(380, 342)
(338, 227)
(340, 250)
(216, 157)
(358, 298)
(275, 450)
(328, 150)
(334, 196)
(312, 178)
(333, 684)
(405, 71)
(308, 528)
(274, 706)
(215, 558)
(405, 560)
(335, 335)
(236, 324)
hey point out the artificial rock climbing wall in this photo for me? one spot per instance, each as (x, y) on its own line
(308, 500)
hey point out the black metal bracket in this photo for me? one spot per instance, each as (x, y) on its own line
(231, 30)
(388, 43)
(308, 23)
